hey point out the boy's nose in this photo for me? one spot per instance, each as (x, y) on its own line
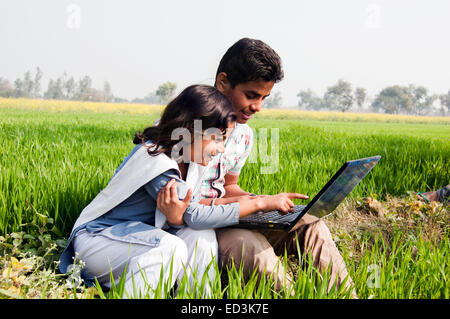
(256, 107)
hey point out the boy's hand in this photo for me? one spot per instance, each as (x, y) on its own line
(170, 205)
(282, 202)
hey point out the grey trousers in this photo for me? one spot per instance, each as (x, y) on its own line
(189, 253)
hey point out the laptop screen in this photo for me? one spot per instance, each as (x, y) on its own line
(341, 184)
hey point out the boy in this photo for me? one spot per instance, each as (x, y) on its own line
(246, 75)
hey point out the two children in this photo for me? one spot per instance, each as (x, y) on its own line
(147, 218)
(122, 227)
(246, 75)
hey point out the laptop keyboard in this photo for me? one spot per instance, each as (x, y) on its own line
(274, 215)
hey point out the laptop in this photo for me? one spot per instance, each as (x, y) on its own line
(322, 205)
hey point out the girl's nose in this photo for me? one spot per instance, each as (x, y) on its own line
(221, 148)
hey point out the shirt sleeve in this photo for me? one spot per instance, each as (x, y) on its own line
(247, 142)
(196, 216)
(154, 186)
(199, 216)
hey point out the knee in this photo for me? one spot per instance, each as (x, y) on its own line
(318, 233)
(206, 242)
(237, 245)
(321, 229)
(177, 249)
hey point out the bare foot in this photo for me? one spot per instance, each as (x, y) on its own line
(430, 196)
(440, 195)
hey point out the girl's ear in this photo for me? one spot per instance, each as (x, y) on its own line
(222, 82)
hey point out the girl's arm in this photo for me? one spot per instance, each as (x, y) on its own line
(169, 204)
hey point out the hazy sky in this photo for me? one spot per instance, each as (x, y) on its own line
(137, 45)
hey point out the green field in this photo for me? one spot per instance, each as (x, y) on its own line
(53, 164)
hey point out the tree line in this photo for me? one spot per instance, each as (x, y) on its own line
(342, 97)
(68, 88)
(393, 99)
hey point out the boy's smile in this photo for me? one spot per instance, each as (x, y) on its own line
(246, 98)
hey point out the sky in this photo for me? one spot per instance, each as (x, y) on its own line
(137, 45)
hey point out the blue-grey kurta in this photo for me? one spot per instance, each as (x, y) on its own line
(133, 220)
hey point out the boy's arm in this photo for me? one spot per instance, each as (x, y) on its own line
(232, 192)
(232, 188)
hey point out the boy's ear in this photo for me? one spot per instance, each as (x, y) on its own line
(222, 82)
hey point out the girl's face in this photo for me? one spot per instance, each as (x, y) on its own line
(213, 143)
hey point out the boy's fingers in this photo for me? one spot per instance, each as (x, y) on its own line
(297, 195)
(284, 209)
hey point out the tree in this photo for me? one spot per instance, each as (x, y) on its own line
(444, 100)
(91, 94)
(309, 100)
(108, 97)
(421, 102)
(37, 83)
(150, 98)
(6, 89)
(360, 96)
(69, 87)
(63, 88)
(273, 101)
(49, 93)
(28, 85)
(18, 88)
(165, 91)
(118, 99)
(339, 96)
(83, 84)
(393, 99)
(55, 89)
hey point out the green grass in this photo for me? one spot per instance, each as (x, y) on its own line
(404, 269)
(414, 156)
(53, 164)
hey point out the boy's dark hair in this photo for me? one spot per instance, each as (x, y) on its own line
(196, 102)
(250, 60)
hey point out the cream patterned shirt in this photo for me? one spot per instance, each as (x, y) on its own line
(237, 149)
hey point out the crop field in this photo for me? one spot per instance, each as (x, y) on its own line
(56, 156)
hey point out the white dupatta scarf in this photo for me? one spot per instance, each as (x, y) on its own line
(137, 171)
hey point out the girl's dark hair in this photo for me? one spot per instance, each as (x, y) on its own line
(196, 102)
(250, 60)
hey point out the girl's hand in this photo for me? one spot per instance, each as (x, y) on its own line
(282, 202)
(170, 205)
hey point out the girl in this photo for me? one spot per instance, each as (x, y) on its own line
(123, 229)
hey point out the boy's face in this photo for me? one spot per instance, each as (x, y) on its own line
(246, 98)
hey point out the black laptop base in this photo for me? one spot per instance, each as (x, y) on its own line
(251, 221)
